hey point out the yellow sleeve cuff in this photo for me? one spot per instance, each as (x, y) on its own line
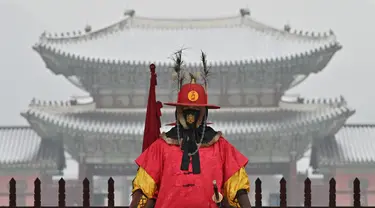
(236, 182)
(145, 183)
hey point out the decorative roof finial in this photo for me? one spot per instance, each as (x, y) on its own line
(245, 12)
(129, 12)
(88, 28)
(287, 27)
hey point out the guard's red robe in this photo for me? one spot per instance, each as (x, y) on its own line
(160, 174)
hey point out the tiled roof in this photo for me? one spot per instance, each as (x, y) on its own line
(330, 101)
(354, 144)
(133, 20)
(20, 146)
(278, 120)
(250, 42)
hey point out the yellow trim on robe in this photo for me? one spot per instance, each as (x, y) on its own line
(236, 182)
(145, 183)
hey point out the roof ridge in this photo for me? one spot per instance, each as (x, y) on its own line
(337, 100)
(360, 125)
(72, 103)
(15, 127)
(326, 102)
(131, 20)
(194, 19)
(287, 31)
(44, 103)
(57, 103)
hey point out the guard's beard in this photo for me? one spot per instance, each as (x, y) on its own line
(191, 117)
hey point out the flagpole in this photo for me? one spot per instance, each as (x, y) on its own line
(153, 113)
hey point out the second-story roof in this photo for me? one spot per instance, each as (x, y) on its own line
(285, 119)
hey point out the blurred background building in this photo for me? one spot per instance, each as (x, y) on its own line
(101, 135)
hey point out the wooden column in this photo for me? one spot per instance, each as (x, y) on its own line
(86, 171)
(49, 197)
(242, 88)
(224, 96)
(292, 182)
(126, 193)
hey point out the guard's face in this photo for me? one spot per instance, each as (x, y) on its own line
(191, 116)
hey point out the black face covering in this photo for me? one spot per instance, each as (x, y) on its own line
(191, 117)
(191, 136)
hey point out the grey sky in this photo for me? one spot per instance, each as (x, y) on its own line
(24, 75)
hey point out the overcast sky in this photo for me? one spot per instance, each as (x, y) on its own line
(24, 76)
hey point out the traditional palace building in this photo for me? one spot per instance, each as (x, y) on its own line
(253, 65)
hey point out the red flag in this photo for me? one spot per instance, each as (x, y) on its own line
(153, 113)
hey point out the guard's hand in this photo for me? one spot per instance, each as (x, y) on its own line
(150, 203)
(244, 201)
(136, 197)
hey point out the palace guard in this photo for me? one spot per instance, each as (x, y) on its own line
(181, 167)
